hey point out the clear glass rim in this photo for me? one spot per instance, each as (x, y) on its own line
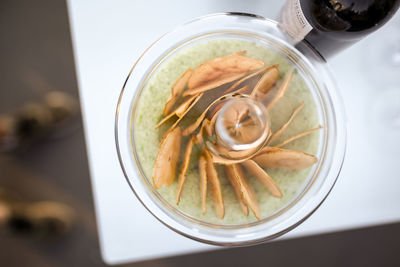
(200, 234)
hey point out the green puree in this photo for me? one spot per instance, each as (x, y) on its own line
(149, 112)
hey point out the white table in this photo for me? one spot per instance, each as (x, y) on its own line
(109, 36)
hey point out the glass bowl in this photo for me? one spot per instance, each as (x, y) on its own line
(309, 65)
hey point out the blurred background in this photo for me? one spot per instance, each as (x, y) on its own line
(46, 206)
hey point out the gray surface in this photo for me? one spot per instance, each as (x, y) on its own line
(36, 56)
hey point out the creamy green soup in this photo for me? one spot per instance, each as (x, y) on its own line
(149, 113)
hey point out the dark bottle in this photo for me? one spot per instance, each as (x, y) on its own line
(330, 26)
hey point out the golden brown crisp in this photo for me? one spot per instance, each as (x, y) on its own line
(219, 71)
(164, 171)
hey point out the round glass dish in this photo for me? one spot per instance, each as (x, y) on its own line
(314, 71)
